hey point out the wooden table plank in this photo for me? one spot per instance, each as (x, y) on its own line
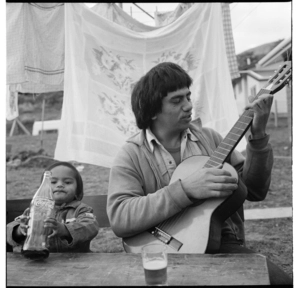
(117, 269)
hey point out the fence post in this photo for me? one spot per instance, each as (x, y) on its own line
(276, 114)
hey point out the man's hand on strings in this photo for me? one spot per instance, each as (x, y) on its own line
(261, 108)
(209, 182)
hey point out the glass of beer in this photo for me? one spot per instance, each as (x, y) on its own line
(155, 264)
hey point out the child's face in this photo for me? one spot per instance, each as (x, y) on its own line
(64, 184)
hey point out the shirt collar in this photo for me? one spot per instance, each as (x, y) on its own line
(189, 134)
(151, 137)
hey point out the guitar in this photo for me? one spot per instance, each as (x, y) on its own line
(197, 228)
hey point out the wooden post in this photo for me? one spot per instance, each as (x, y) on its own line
(275, 114)
(289, 110)
(12, 129)
(20, 124)
(43, 116)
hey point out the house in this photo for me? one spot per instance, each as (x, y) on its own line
(256, 77)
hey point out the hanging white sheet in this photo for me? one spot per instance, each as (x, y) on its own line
(103, 60)
(35, 46)
(164, 18)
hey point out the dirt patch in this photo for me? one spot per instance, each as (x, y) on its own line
(274, 239)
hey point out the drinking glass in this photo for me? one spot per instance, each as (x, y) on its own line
(155, 264)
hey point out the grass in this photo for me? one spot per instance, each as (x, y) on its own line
(271, 237)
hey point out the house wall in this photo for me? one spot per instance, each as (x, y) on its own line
(247, 83)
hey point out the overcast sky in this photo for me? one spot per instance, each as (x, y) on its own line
(253, 24)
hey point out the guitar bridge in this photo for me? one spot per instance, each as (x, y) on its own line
(165, 238)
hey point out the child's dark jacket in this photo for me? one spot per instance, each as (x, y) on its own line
(78, 219)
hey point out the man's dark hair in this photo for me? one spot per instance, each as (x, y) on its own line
(148, 92)
(79, 189)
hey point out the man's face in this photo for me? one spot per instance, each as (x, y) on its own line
(176, 111)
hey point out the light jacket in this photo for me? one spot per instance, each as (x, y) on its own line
(78, 219)
(139, 199)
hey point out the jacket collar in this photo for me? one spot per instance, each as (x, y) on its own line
(140, 137)
(150, 137)
(195, 127)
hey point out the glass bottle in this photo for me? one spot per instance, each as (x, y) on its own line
(36, 244)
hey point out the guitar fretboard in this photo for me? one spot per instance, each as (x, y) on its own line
(234, 136)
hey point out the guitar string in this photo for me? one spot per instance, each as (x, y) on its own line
(239, 126)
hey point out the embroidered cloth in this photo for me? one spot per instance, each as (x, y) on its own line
(104, 60)
(164, 18)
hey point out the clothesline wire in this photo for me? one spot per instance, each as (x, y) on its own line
(143, 10)
(234, 6)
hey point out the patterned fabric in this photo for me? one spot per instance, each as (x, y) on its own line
(230, 49)
(104, 60)
(164, 18)
(35, 46)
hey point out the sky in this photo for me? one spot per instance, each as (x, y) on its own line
(253, 24)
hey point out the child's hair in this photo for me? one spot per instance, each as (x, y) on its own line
(79, 190)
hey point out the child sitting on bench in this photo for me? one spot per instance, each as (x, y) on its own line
(73, 226)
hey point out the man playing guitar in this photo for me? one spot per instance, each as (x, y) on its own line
(140, 194)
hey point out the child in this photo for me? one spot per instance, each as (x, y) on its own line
(73, 226)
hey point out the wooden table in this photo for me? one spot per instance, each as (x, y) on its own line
(105, 269)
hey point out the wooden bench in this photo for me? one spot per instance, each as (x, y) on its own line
(16, 208)
(49, 125)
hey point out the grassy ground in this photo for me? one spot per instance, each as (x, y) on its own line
(273, 238)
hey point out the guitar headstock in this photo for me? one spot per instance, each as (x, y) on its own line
(281, 77)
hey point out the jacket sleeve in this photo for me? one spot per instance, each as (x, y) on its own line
(135, 203)
(83, 228)
(9, 232)
(257, 168)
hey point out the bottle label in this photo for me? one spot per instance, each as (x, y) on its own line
(42, 202)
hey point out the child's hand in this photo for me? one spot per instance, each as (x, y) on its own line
(58, 229)
(23, 220)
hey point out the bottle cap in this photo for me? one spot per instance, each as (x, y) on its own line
(47, 173)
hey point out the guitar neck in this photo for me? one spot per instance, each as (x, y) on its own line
(233, 137)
